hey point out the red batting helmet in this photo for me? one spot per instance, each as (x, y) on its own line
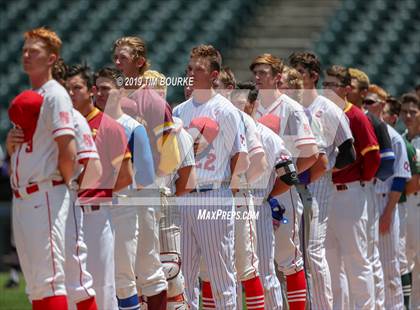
(24, 112)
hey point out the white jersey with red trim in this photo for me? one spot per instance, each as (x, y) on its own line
(335, 125)
(86, 147)
(294, 128)
(213, 164)
(252, 137)
(37, 161)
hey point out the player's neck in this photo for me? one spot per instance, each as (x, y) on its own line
(309, 96)
(87, 109)
(203, 95)
(114, 111)
(411, 133)
(37, 80)
(268, 96)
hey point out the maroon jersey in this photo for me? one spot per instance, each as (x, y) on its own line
(111, 142)
(364, 141)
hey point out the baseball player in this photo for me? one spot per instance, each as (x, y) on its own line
(111, 142)
(221, 154)
(125, 217)
(388, 194)
(295, 130)
(150, 109)
(246, 260)
(346, 242)
(359, 88)
(390, 115)
(41, 197)
(410, 115)
(337, 136)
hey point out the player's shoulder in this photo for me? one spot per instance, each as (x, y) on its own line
(290, 104)
(394, 135)
(180, 108)
(55, 94)
(326, 105)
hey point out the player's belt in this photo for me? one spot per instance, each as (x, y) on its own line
(344, 187)
(202, 188)
(88, 209)
(33, 189)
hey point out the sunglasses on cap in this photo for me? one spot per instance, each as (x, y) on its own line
(370, 101)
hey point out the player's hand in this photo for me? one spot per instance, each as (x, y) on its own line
(15, 137)
(385, 222)
(277, 212)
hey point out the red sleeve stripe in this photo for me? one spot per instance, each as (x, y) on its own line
(308, 138)
(64, 128)
(254, 148)
(83, 152)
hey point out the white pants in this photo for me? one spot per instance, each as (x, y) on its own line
(125, 225)
(79, 281)
(211, 239)
(374, 213)
(346, 247)
(99, 239)
(319, 278)
(413, 246)
(39, 222)
(389, 251)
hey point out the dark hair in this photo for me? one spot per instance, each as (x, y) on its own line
(227, 77)
(253, 91)
(410, 98)
(394, 105)
(108, 73)
(84, 71)
(341, 73)
(307, 60)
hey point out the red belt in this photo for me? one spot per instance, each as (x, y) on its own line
(34, 188)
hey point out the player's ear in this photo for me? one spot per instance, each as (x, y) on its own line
(52, 58)
(314, 76)
(140, 62)
(214, 75)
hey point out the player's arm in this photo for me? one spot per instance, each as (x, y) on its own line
(186, 181)
(308, 155)
(91, 173)
(394, 195)
(142, 158)
(239, 164)
(286, 176)
(257, 166)
(125, 175)
(66, 156)
(319, 168)
(14, 138)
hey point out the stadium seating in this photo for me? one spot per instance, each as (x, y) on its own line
(380, 36)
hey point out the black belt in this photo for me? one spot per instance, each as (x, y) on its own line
(92, 208)
(204, 188)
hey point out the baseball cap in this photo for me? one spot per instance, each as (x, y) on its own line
(24, 112)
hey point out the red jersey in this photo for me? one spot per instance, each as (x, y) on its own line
(111, 142)
(364, 141)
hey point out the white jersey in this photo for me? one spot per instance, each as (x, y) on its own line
(252, 138)
(275, 151)
(401, 164)
(37, 161)
(86, 147)
(213, 164)
(335, 125)
(294, 127)
(416, 142)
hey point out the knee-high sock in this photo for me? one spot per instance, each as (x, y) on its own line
(296, 290)
(406, 281)
(50, 303)
(254, 293)
(207, 296)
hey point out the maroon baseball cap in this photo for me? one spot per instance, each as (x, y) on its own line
(24, 112)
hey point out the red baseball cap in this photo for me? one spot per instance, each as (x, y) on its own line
(204, 126)
(271, 121)
(24, 112)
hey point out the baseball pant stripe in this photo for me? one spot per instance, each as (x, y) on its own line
(51, 242)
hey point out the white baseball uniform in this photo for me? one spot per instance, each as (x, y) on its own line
(78, 280)
(169, 226)
(335, 130)
(389, 243)
(212, 239)
(41, 202)
(275, 151)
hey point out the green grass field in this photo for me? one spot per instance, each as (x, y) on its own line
(15, 298)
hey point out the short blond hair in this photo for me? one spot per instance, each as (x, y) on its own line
(138, 47)
(361, 77)
(49, 37)
(294, 80)
(274, 62)
(155, 79)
